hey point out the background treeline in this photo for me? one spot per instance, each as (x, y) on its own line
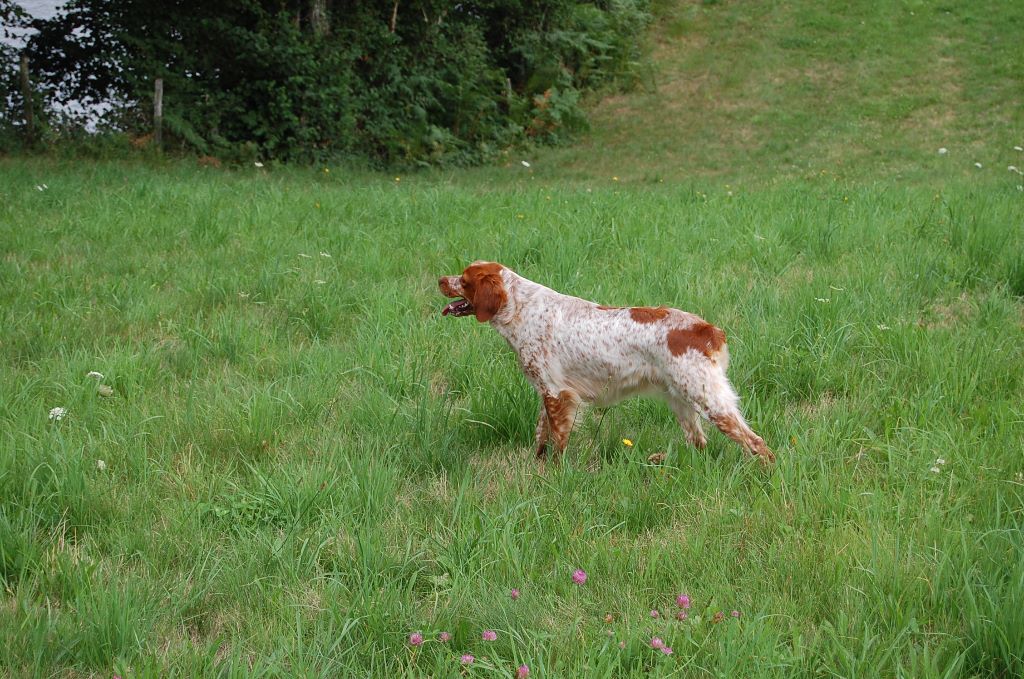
(395, 81)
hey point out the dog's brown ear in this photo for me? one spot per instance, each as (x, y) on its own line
(487, 290)
(489, 296)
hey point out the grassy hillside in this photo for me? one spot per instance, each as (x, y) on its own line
(752, 92)
(292, 462)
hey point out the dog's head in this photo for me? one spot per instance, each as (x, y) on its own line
(480, 289)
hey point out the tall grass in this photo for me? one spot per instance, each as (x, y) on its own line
(304, 462)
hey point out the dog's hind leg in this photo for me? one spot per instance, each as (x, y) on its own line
(689, 420)
(709, 390)
(735, 427)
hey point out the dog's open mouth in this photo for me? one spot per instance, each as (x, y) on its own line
(459, 307)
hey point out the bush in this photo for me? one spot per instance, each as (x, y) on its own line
(398, 83)
(11, 105)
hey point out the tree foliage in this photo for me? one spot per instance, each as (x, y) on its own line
(12, 18)
(398, 81)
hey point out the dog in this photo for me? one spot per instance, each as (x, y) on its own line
(574, 351)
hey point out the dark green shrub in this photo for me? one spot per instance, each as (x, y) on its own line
(412, 82)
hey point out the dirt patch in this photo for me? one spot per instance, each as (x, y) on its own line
(942, 79)
(439, 385)
(439, 489)
(795, 276)
(497, 470)
(814, 407)
(944, 315)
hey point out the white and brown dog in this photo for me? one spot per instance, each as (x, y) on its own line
(572, 351)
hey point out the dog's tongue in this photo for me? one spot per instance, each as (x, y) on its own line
(456, 308)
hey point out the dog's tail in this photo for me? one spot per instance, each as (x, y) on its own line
(721, 357)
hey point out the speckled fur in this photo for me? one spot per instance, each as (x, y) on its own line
(574, 351)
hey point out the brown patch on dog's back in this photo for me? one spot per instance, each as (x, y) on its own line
(702, 336)
(647, 314)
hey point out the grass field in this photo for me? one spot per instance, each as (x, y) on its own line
(761, 91)
(292, 462)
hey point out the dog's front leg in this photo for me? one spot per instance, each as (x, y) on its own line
(561, 415)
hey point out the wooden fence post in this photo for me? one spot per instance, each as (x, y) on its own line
(158, 115)
(26, 94)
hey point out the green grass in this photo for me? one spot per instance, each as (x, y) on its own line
(305, 463)
(761, 91)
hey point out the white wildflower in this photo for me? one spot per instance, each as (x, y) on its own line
(1018, 148)
(823, 300)
(41, 187)
(1013, 168)
(105, 391)
(319, 282)
(57, 414)
(101, 465)
(258, 164)
(936, 470)
(943, 151)
(940, 461)
(883, 326)
(325, 254)
(95, 375)
(305, 256)
(977, 165)
(526, 164)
